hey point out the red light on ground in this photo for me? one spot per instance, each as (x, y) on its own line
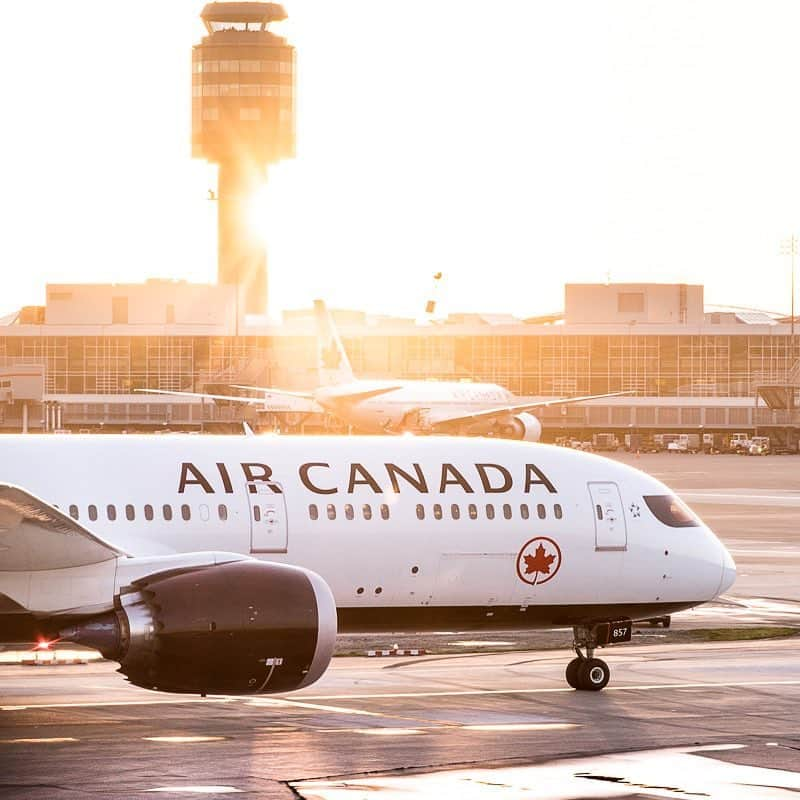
(42, 644)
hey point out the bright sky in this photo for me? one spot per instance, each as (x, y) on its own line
(515, 145)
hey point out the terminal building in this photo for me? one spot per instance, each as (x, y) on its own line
(77, 362)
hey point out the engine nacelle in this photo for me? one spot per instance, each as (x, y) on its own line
(246, 627)
(523, 426)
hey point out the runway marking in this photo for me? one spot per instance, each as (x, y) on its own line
(379, 695)
(741, 499)
(197, 789)
(510, 727)
(52, 740)
(279, 701)
(183, 739)
(523, 726)
(387, 731)
(479, 692)
(102, 703)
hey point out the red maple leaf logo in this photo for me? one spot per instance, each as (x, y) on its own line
(539, 562)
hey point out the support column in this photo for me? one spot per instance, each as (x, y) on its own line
(241, 253)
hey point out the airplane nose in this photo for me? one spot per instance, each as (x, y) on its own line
(728, 571)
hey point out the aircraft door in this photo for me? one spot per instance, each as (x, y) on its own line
(609, 517)
(269, 532)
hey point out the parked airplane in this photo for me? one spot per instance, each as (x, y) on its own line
(387, 406)
(220, 564)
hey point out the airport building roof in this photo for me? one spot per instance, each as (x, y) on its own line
(165, 307)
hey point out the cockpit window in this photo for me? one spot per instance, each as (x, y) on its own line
(671, 511)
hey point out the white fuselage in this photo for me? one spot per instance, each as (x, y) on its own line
(388, 522)
(428, 401)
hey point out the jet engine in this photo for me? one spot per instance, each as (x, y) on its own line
(522, 426)
(245, 627)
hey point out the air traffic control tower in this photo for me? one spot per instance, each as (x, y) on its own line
(242, 120)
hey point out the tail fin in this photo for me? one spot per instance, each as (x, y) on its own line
(332, 361)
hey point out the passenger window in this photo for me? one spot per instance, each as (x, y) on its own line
(599, 510)
(111, 512)
(313, 511)
(73, 512)
(257, 513)
(148, 513)
(489, 511)
(348, 511)
(366, 511)
(331, 511)
(541, 511)
(506, 510)
(384, 511)
(92, 513)
(186, 512)
(420, 511)
(437, 511)
(130, 514)
(166, 512)
(557, 511)
(222, 511)
(473, 511)
(524, 512)
(455, 511)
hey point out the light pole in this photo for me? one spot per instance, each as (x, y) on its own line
(789, 247)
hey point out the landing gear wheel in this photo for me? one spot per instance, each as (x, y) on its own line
(572, 672)
(593, 674)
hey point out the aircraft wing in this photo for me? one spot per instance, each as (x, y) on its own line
(203, 395)
(498, 411)
(37, 536)
(268, 391)
(263, 401)
(238, 398)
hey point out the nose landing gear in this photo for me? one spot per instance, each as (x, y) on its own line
(586, 672)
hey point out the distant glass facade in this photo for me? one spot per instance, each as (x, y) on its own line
(702, 365)
(530, 364)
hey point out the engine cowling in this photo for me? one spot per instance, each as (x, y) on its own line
(245, 627)
(524, 427)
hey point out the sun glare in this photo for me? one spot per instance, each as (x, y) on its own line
(259, 213)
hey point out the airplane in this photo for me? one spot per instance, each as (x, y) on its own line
(401, 406)
(226, 565)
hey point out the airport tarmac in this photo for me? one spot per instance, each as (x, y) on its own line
(473, 725)
(81, 731)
